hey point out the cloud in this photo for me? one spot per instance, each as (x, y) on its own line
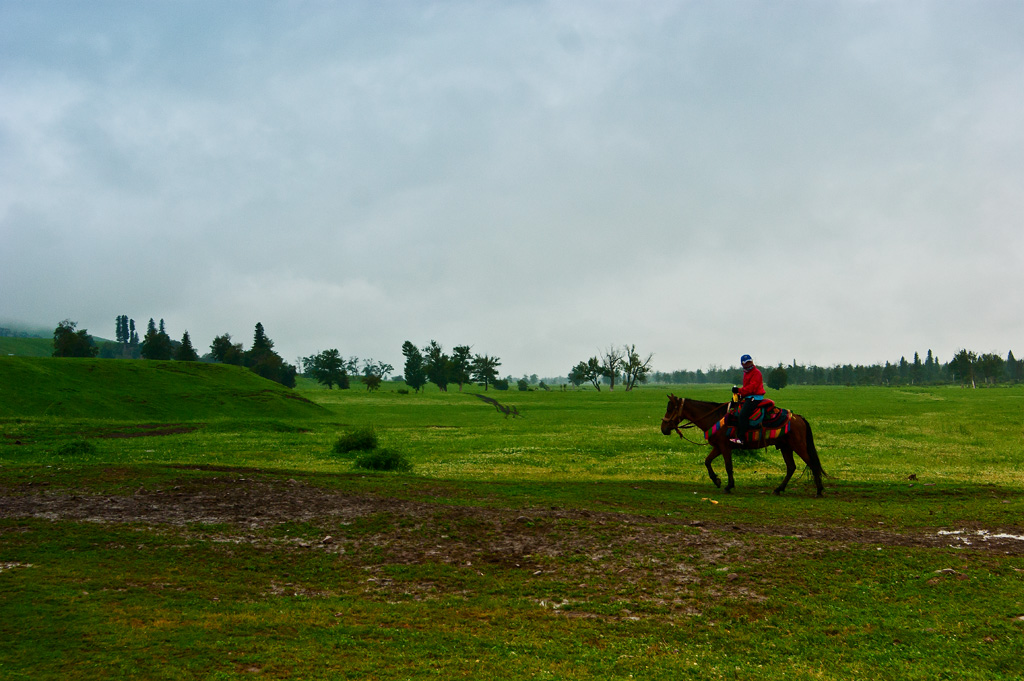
(822, 182)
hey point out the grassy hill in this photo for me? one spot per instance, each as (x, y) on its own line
(26, 347)
(142, 390)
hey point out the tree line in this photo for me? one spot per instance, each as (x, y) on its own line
(156, 344)
(432, 364)
(614, 363)
(967, 367)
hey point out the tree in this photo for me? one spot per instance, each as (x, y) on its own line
(1014, 367)
(328, 368)
(990, 366)
(260, 342)
(70, 343)
(223, 350)
(437, 365)
(461, 365)
(374, 373)
(592, 370)
(185, 352)
(611, 362)
(962, 366)
(415, 374)
(484, 369)
(262, 360)
(778, 378)
(635, 370)
(156, 344)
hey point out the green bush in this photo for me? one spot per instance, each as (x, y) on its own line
(383, 460)
(358, 440)
(77, 448)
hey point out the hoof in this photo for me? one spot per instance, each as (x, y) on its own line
(718, 483)
(778, 491)
(728, 490)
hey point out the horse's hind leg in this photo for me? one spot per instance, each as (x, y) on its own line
(711, 471)
(814, 471)
(787, 456)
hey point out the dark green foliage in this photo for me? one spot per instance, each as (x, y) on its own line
(415, 374)
(485, 369)
(156, 344)
(384, 460)
(591, 370)
(328, 368)
(185, 352)
(70, 343)
(77, 448)
(523, 385)
(777, 378)
(226, 352)
(357, 440)
(437, 365)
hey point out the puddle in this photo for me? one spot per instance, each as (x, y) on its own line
(968, 537)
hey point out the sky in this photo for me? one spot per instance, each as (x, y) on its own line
(820, 182)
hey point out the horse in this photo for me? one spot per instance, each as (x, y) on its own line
(704, 415)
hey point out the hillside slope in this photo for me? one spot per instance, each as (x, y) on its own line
(26, 347)
(142, 390)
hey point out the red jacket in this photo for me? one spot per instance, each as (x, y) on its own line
(753, 384)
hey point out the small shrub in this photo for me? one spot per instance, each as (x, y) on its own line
(383, 460)
(77, 448)
(358, 440)
(403, 391)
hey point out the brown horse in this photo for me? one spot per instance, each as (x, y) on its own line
(703, 415)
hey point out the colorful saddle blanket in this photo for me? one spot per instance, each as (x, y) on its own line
(766, 423)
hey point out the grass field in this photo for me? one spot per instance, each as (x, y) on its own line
(198, 525)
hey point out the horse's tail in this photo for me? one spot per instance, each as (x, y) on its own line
(812, 451)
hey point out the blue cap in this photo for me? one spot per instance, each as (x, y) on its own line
(746, 358)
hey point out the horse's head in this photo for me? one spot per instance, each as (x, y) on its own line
(673, 415)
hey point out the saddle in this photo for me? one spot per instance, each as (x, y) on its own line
(767, 422)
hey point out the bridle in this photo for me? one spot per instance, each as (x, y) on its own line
(680, 428)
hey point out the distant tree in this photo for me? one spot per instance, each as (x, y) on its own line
(328, 368)
(156, 344)
(262, 360)
(185, 352)
(635, 369)
(592, 370)
(437, 365)
(1014, 368)
(611, 362)
(461, 365)
(523, 384)
(484, 370)
(260, 342)
(990, 366)
(415, 374)
(963, 366)
(223, 350)
(70, 343)
(374, 373)
(778, 378)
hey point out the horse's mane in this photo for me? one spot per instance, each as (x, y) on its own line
(704, 403)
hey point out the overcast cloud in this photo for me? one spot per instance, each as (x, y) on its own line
(828, 182)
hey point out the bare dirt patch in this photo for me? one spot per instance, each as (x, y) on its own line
(252, 503)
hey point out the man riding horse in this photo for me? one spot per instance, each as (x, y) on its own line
(750, 395)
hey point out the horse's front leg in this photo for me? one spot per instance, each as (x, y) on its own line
(727, 455)
(711, 471)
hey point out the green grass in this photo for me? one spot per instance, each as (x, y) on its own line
(576, 542)
(26, 347)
